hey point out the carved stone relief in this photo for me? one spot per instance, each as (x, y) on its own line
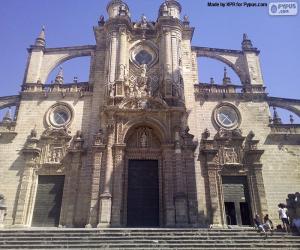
(142, 82)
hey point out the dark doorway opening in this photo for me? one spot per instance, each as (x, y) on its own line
(245, 211)
(48, 201)
(143, 194)
(230, 213)
(236, 200)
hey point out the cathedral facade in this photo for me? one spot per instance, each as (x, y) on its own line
(143, 143)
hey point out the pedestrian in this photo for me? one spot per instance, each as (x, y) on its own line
(268, 224)
(259, 225)
(282, 211)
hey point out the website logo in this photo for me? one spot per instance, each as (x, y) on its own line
(283, 9)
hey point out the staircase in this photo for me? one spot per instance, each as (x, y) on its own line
(159, 238)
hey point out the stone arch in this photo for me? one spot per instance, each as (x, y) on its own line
(9, 101)
(231, 58)
(159, 128)
(286, 107)
(54, 57)
(288, 104)
(239, 72)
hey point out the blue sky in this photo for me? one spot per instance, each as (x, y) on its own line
(69, 22)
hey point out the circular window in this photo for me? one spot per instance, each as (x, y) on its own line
(227, 116)
(143, 57)
(143, 53)
(59, 115)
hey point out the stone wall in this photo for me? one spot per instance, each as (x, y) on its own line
(31, 115)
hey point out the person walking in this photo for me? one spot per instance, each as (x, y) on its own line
(282, 211)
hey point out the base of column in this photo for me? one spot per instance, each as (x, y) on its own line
(170, 217)
(105, 210)
(103, 225)
(181, 210)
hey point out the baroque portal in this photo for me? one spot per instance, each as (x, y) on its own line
(143, 143)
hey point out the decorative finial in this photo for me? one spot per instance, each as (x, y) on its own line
(144, 21)
(186, 20)
(8, 117)
(59, 79)
(101, 21)
(226, 79)
(276, 118)
(40, 41)
(246, 44)
(33, 133)
(122, 10)
(291, 119)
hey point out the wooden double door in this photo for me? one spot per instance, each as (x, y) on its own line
(48, 201)
(143, 194)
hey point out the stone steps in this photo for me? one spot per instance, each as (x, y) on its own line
(144, 239)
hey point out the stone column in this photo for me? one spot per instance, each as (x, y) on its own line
(97, 155)
(168, 192)
(123, 53)
(180, 197)
(71, 190)
(22, 213)
(118, 184)
(259, 190)
(215, 196)
(112, 62)
(106, 195)
(167, 62)
(123, 61)
(31, 154)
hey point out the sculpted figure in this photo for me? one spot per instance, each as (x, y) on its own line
(144, 140)
(3, 209)
(144, 21)
(144, 70)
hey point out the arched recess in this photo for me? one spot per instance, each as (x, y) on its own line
(159, 129)
(212, 68)
(78, 67)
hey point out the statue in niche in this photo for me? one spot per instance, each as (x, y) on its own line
(144, 70)
(111, 90)
(230, 156)
(253, 73)
(3, 209)
(99, 137)
(55, 155)
(144, 140)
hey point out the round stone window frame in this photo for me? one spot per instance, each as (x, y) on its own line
(56, 108)
(148, 47)
(219, 124)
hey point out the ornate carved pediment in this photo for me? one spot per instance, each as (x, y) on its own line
(55, 143)
(143, 103)
(142, 82)
(230, 148)
(56, 134)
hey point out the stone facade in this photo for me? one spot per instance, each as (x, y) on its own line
(143, 102)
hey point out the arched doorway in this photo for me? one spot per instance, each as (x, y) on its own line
(143, 178)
